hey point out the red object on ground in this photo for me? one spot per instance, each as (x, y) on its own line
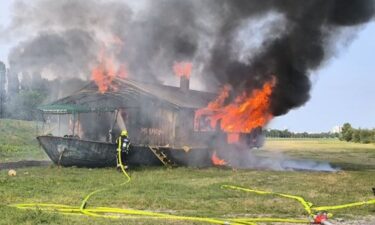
(320, 218)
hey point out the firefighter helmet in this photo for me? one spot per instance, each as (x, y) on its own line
(124, 133)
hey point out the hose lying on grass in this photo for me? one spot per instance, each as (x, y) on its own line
(308, 206)
(119, 213)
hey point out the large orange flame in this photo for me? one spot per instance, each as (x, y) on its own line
(183, 69)
(233, 138)
(108, 68)
(217, 161)
(246, 112)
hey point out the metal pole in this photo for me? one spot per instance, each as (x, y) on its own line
(110, 135)
(78, 124)
(74, 123)
(58, 132)
(44, 121)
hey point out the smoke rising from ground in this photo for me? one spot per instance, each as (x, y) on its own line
(240, 42)
(239, 157)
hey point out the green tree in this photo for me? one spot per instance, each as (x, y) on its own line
(356, 135)
(2, 89)
(365, 136)
(346, 132)
(23, 105)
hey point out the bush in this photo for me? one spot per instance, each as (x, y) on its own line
(24, 105)
(365, 136)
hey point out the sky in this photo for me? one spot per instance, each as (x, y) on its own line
(343, 88)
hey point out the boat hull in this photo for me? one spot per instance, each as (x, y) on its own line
(82, 153)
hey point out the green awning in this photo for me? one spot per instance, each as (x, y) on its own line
(71, 109)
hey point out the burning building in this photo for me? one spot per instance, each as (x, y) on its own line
(164, 122)
(262, 54)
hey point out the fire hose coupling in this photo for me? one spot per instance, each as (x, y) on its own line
(322, 218)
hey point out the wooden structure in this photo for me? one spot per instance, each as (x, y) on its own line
(158, 117)
(154, 115)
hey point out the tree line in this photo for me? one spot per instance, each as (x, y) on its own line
(350, 134)
(21, 93)
(347, 133)
(273, 133)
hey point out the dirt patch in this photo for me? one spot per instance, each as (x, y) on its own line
(22, 164)
(369, 220)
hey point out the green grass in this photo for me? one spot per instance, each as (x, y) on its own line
(194, 192)
(180, 191)
(18, 142)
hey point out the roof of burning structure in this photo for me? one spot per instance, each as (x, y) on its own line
(127, 93)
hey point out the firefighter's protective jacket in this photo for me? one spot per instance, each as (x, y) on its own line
(123, 143)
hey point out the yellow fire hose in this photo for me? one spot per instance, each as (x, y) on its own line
(349, 205)
(129, 213)
(119, 213)
(84, 202)
(308, 206)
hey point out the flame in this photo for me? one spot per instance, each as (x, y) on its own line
(183, 69)
(246, 112)
(233, 138)
(217, 161)
(107, 70)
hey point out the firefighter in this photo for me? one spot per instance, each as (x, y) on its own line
(123, 144)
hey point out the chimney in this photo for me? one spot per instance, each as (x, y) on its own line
(184, 83)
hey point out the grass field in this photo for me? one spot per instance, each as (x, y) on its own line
(193, 192)
(346, 155)
(17, 141)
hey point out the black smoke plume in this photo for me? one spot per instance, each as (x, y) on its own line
(240, 42)
(290, 57)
